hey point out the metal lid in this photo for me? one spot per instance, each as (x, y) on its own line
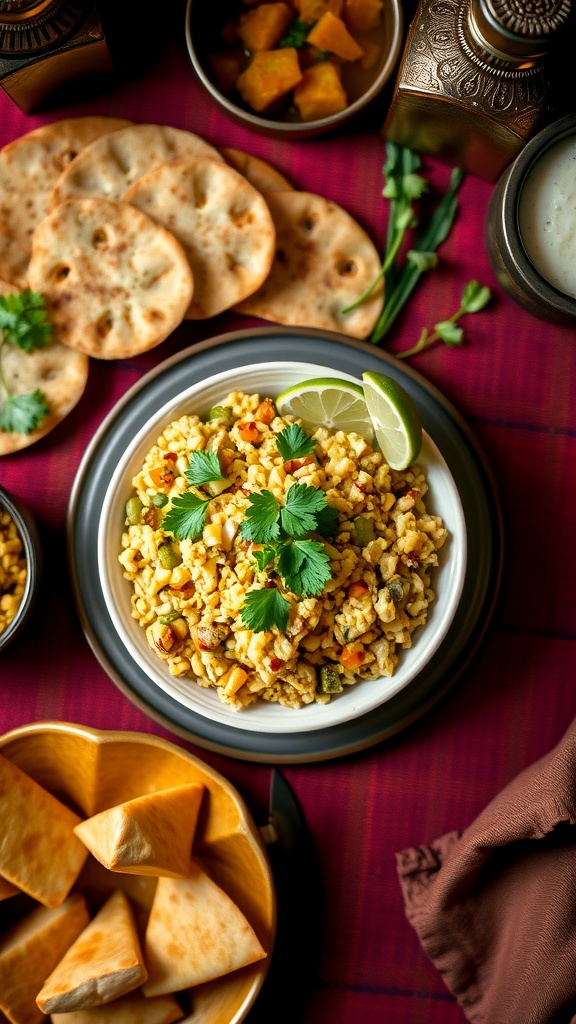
(517, 29)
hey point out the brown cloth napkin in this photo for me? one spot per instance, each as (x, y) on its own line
(494, 906)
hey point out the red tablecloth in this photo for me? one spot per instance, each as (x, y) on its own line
(513, 382)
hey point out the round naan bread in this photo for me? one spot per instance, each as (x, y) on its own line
(116, 283)
(223, 223)
(259, 172)
(29, 169)
(324, 261)
(56, 370)
(109, 167)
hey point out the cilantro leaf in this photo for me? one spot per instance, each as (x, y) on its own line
(264, 556)
(22, 414)
(296, 35)
(327, 520)
(203, 468)
(305, 567)
(186, 518)
(260, 523)
(293, 442)
(23, 320)
(264, 609)
(298, 517)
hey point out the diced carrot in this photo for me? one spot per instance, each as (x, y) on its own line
(271, 75)
(331, 34)
(263, 27)
(362, 15)
(235, 678)
(265, 412)
(162, 478)
(320, 93)
(358, 588)
(248, 431)
(352, 657)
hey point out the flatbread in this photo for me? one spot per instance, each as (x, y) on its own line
(29, 169)
(195, 933)
(39, 852)
(57, 370)
(324, 261)
(7, 889)
(259, 172)
(104, 962)
(131, 1009)
(116, 283)
(150, 835)
(31, 950)
(222, 222)
(109, 167)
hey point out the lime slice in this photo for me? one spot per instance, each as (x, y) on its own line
(396, 421)
(328, 402)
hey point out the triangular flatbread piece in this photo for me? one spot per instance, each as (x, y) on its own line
(195, 933)
(7, 889)
(30, 950)
(150, 835)
(104, 963)
(130, 1009)
(39, 852)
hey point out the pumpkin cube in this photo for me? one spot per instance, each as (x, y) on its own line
(362, 15)
(226, 67)
(310, 11)
(263, 27)
(270, 76)
(320, 93)
(331, 34)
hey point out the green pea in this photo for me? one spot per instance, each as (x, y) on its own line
(159, 500)
(134, 510)
(220, 412)
(167, 556)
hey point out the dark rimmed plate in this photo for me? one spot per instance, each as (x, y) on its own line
(467, 465)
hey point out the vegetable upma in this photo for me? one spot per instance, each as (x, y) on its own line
(274, 565)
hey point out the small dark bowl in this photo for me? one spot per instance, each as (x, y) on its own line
(510, 262)
(26, 527)
(201, 26)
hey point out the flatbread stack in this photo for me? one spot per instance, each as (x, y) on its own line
(107, 964)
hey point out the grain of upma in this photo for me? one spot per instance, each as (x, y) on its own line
(189, 594)
(13, 569)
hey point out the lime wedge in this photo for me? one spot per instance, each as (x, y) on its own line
(396, 421)
(328, 402)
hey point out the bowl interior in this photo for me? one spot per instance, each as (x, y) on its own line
(269, 379)
(91, 770)
(203, 26)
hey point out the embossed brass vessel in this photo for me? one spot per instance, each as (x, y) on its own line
(473, 84)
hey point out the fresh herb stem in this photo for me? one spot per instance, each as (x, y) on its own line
(474, 297)
(432, 236)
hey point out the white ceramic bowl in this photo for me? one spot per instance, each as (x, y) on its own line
(269, 379)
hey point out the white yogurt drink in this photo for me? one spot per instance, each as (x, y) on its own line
(547, 215)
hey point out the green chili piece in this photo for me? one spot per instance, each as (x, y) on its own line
(330, 681)
(167, 556)
(159, 500)
(221, 412)
(363, 530)
(169, 617)
(134, 508)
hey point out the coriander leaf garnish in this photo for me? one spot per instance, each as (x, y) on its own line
(203, 468)
(294, 443)
(22, 414)
(261, 520)
(296, 35)
(23, 320)
(264, 609)
(474, 297)
(23, 324)
(298, 517)
(264, 556)
(326, 520)
(305, 567)
(186, 517)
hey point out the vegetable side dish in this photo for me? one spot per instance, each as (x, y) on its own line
(12, 570)
(303, 59)
(270, 564)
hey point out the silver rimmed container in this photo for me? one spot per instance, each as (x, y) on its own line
(28, 533)
(516, 236)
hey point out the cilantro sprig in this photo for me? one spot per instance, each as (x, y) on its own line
(203, 468)
(474, 297)
(23, 324)
(294, 443)
(187, 516)
(296, 35)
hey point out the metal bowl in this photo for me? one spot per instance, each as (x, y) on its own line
(199, 29)
(506, 250)
(27, 530)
